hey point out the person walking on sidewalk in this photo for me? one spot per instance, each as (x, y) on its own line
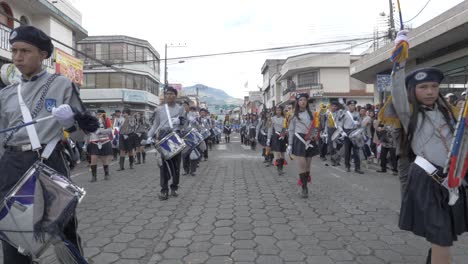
(168, 118)
(100, 146)
(302, 139)
(428, 209)
(126, 143)
(277, 138)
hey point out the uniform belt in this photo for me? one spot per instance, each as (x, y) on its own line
(21, 148)
(430, 169)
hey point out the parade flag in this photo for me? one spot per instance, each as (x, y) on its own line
(69, 66)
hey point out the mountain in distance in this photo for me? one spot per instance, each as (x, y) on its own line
(212, 96)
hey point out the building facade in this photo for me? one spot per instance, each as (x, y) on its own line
(324, 76)
(129, 77)
(441, 42)
(59, 19)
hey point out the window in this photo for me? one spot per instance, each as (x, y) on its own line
(89, 49)
(117, 80)
(308, 79)
(139, 54)
(6, 20)
(129, 78)
(102, 80)
(138, 82)
(102, 51)
(116, 51)
(89, 80)
(130, 52)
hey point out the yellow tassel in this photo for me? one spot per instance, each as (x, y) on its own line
(400, 52)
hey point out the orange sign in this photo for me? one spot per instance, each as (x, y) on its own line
(69, 66)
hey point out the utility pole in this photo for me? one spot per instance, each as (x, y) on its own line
(391, 31)
(198, 99)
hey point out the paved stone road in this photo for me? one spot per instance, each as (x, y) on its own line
(237, 211)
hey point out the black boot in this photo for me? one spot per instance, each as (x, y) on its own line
(106, 172)
(121, 163)
(279, 166)
(358, 171)
(174, 193)
(138, 158)
(115, 153)
(143, 156)
(305, 191)
(130, 158)
(164, 196)
(93, 173)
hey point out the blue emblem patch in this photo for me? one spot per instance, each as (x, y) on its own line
(49, 104)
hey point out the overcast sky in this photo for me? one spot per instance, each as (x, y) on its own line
(212, 26)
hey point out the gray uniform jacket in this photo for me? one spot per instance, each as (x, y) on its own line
(432, 137)
(301, 125)
(161, 121)
(276, 126)
(128, 126)
(346, 122)
(61, 91)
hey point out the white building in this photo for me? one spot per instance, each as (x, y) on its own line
(130, 79)
(324, 76)
(59, 19)
(271, 87)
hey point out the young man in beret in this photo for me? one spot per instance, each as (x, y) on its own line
(44, 94)
(350, 121)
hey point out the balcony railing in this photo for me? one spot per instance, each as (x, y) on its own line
(5, 37)
(311, 86)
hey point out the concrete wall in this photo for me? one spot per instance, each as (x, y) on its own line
(67, 8)
(335, 80)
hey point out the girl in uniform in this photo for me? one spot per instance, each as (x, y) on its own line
(277, 138)
(227, 129)
(142, 128)
(302, 139)
(100, 146)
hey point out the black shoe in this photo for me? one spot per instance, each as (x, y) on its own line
(120, 169)
(137, 163)
(305, 192)
(395, 173)
(106, 177)
(174, 193)
(381, 171)
(93, 179)
(348, 169)
(193, 174)
(163, 196)
(334, 164)
(358, 171)
(323, 158)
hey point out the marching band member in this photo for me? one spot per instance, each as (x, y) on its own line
(126, 141)
(349, 121)
(100, 146)
(118, 122)
(190, 166)
(428, 123)
(261, 136)
(323, 140)
(43, 94)
(243, 126)
(165, 115)
(204, 121)
(331, 127)
(227, 129)
(301, 139)
(277, 138)
(141, 134)
(252, 127)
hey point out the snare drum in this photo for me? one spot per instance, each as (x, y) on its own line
(17, 210)
(357, 137)
(205, 132)
(193, 138)
(170, 145)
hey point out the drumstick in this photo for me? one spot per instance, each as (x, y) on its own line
(26, 124)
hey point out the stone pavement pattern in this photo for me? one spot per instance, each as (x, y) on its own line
(237, 211)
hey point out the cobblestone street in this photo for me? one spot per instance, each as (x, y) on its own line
(238, 211)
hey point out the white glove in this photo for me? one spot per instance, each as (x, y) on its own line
(125, 136)
(175, 121)
(159, 161)
(401, 36)
(356, 122)
(268, 142)
(64, 115)
(289, 150)
(149, 141)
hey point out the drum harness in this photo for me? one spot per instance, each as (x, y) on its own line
(64, 250)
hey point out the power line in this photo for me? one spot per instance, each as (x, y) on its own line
(418, 12)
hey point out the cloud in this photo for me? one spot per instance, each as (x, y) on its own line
(211, 26)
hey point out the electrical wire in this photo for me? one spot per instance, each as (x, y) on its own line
(418, 12)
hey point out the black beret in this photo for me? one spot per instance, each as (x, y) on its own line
(422, 75)
(117, 111)
(127, 110)
(101, 111)
(203, 109)
(335, 103)
(299, 95)
(171, 89)
(351, 102)
(33, 36)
